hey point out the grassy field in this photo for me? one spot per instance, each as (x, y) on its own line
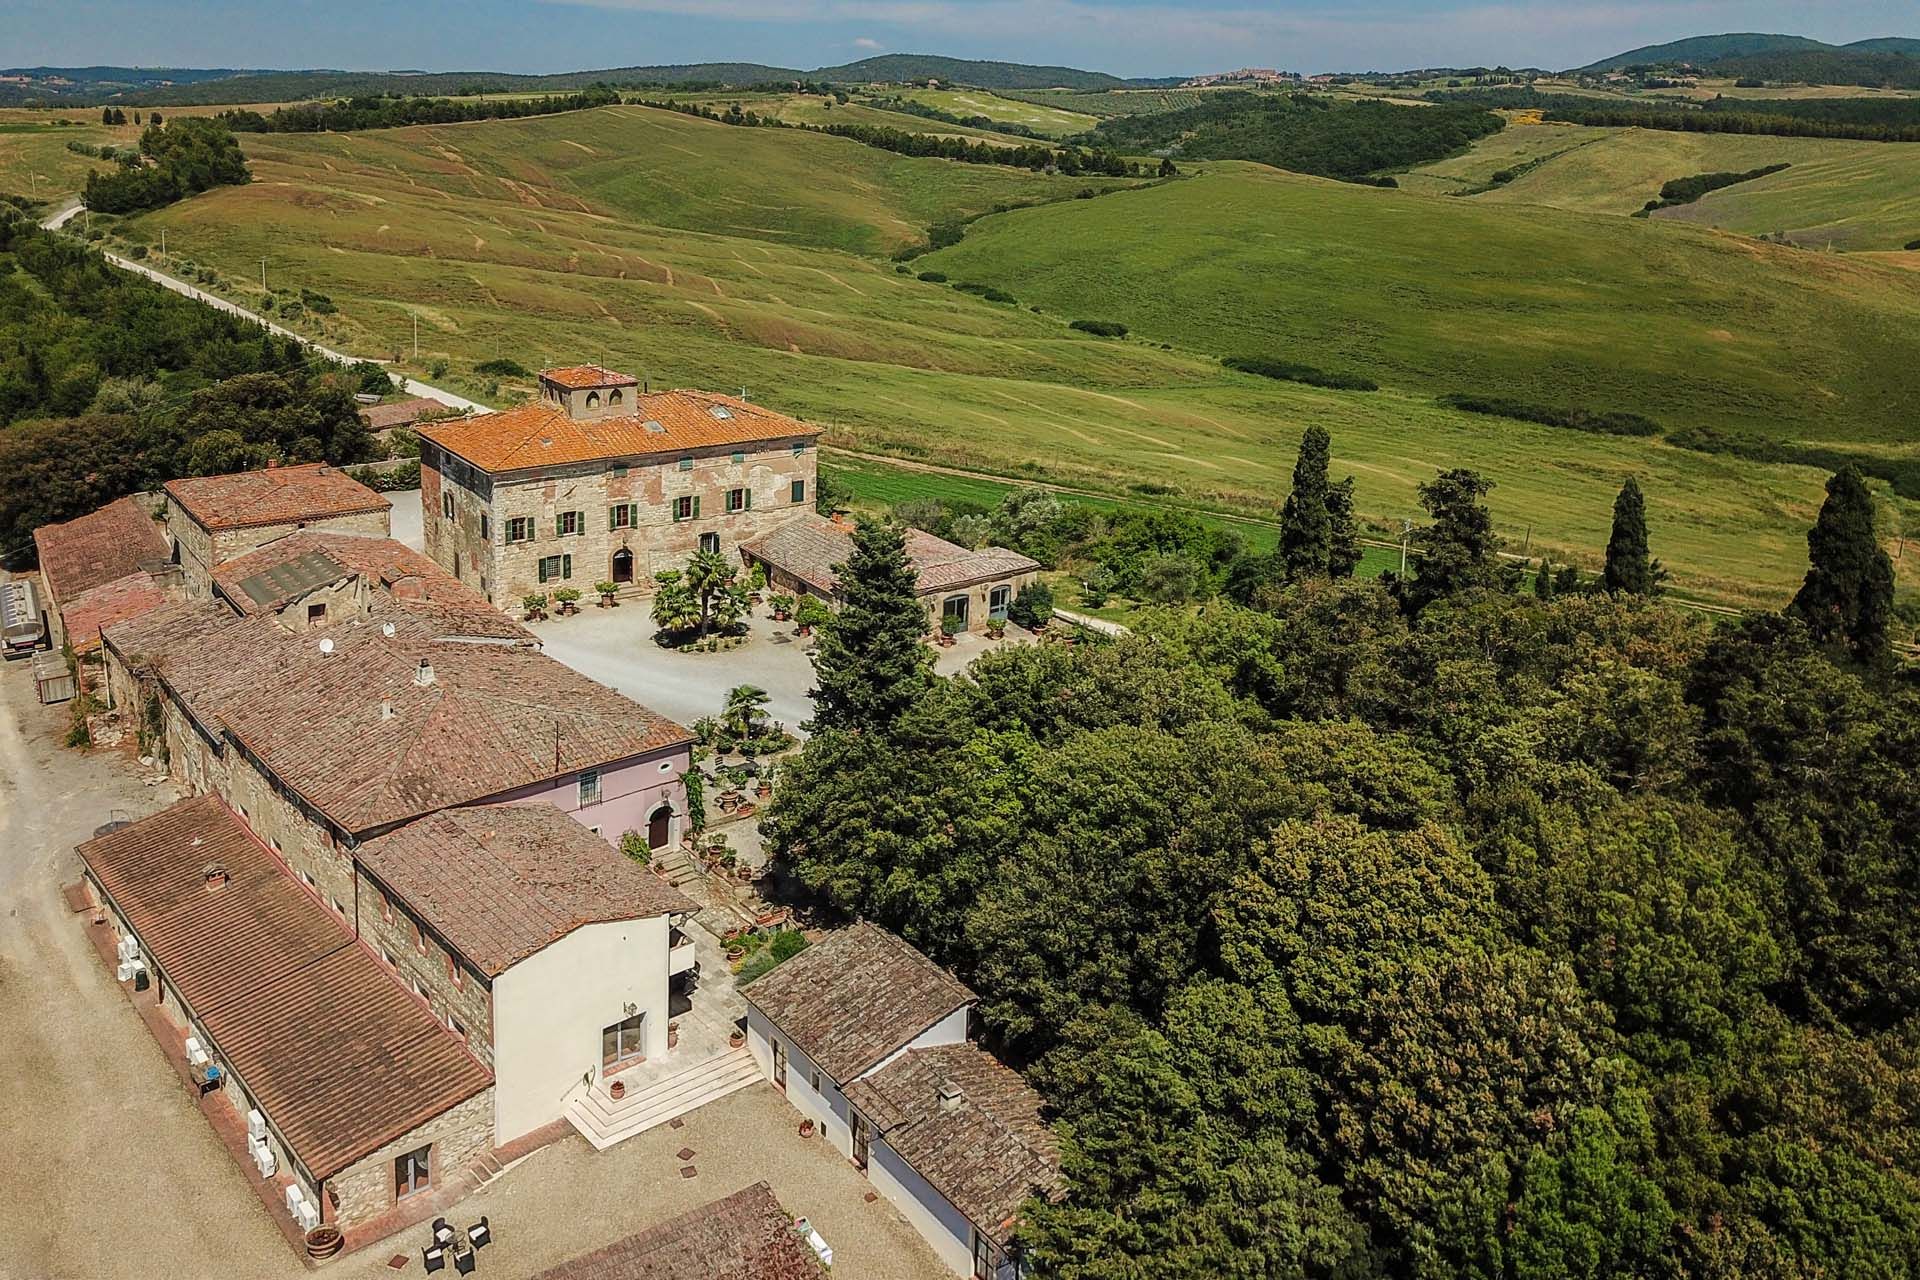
(1838, 194)
(34, 160)
(700, 255)
(1455, 295)
(1052, 122)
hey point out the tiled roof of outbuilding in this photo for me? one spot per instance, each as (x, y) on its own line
(667, 422)
(500, 882)
(746, 1236)
(334, 1051)
(100, 547)
(271, 577)
(812, 548)
(274, 495)
(579, 377)
(854, 997)
(109, 604)
(986, 1152)
(400, 413)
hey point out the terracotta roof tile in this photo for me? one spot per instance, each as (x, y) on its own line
(579, 377)
(100, 547)
(813, 549)
(501, 882)
(854, 997)
(987, 1151)
(666, 422)
(746, 1236)
(271, 577)
(274, 495)
(332, 1049)
(400, 413)
(109, 604)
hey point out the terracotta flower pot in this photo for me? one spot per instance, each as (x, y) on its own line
(324, 1241)
(618, 1089)
(806, 1128)
(737, 1039)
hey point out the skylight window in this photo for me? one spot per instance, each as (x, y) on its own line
(657, 428)
(719, 411)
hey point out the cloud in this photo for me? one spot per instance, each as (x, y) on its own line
(867, 42)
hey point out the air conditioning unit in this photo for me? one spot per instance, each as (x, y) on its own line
(196, 1055)
(307, 1215)
(126, 969)
(296, 1196)
(256, 1124)
(129, 948)
(263, 1157)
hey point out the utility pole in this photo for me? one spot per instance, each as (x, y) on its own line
(416, 335)
(163, 242)
(1406, 535)
(263, 273)
(1527, 542)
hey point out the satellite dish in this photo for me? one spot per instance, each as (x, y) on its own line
(386, 629)
(326, 646)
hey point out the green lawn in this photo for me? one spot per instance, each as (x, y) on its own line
(694, 254)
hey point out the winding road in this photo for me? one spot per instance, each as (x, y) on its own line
(412, 386)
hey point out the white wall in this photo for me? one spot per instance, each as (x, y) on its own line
(944, 1226)
(549, 1010)
(828, 1108)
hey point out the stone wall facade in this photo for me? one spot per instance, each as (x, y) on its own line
(199, 551)
(298, 836)
(673, 504)
(454, 1139)
(980, 598)
(421, 961)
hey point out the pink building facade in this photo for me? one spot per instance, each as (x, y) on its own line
(645, 794)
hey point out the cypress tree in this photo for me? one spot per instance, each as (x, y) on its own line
(1461, 546)
(1848, 593)
(1306, 534)
(870, 664)
(1629, 571)
(1543, 580)
(1343, 546)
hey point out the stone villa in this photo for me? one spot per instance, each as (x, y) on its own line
(599, 480)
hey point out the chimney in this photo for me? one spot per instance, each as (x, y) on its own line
(273, 464)
(949, 1095)
(215, 874)
(423, 674)
(386, 708)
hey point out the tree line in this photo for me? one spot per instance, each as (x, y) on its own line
(1862, 119)
(175, 160)
(1421, 928)
(1067, 160)
(110, 384)
(393, 111)
(1302, 132)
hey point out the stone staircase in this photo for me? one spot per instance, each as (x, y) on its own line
(603, 1122)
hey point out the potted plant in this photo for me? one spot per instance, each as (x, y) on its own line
(569, 599)
(782, 607)
(535, 605)
(660, 867)
(950, 627)
(736, 953)
(996, 628)
(806, 1131)
(673, 1035)
(736, 1038)
(618, 1089)
(808, 614)
(606, 590)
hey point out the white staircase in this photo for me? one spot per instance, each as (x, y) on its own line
(603, 1122)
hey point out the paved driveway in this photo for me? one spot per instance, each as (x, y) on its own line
(615, 647)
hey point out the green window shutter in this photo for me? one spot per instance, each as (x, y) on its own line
(558, 526)
(543, 569)
(566, 566)
(696, 508)
(749, 502)
(633, 515)
(610, 523)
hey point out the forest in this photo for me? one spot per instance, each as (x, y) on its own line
(1860, 119)
(1435, 927)
(1302, 133)
(110, 384)
(183, 157)
(392, 111)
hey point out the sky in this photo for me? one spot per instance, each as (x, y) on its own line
(1124, 37)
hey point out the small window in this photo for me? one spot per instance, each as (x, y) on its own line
(567, 524)
(620, 517)
(686, 508)
(388, 957)
(386, 908)
(307, 880)
(420, 989)
(614, 397)
(446, 504)
(340, 909)
(455, 972)
(556, 568)
(520, 529)
(799, 448)
(739, 500)
(316, 613)
(686, 464)
(454, 1025)
(419, 941)
(593, 399)
(710, 542)
(813, 1081)
(412, 1173)
(666, 766)
(739, 458)
(618, 471)
(589, 787)
(720, 411)
(799, 490)
(486, 528)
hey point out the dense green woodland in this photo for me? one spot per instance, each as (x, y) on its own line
(1426, 928)
(1863, 119)
(186, 156)
(1302, 133)
(393, 112)
(110, 384)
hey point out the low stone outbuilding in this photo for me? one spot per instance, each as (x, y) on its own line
(972, 587)
(213, 519)
(105, 567)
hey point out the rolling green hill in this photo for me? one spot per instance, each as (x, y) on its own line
(1887, 44)
(695, 254)
(1456, 296)
(982, 75)
(1826, 66)
(1701, 50)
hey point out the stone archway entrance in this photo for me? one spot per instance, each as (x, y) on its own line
(622, 573)
(659, 827)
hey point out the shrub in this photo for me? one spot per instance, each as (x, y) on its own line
(934, 277)
(1033, 607)
(1100, 328)
(1608, 423)
(438, 369)
(1287, 371)
(501, 367)
(1913, 244)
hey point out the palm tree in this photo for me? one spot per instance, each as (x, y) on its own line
(674, 605)
(708, 574)
(745, 708)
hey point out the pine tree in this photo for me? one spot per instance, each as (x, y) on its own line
(1343, 548)
(1306, 533)
(1848, 593)
(870, 665)
(1460, 544)
(1629, 571)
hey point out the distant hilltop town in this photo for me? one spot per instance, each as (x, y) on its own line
(1245, 75)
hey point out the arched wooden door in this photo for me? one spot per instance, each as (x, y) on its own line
(623, 566)
(660, 828)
